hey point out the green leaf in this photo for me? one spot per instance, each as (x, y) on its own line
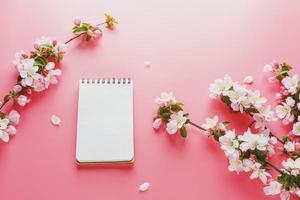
(47, 46)
(2, 115)
(176, 108)
(59, 57)
(80, 30)
(88, 37)
(40, 61)
(225, 123)
(86, 25)
(186, 114)
(6, 97)
(183, 132)
(285, 138)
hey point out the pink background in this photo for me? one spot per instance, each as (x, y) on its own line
(189, 44)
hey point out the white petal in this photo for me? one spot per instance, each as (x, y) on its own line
(5, 137)
(144, 187)
(55, 120)
(147, 63)
(248, 80)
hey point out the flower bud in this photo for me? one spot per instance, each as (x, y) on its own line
(97, 33)
(272, 79)
(77, 21)
(278, 96)
(36, 46)
(54, 42)
(279, 101)
(298, 106)
(275, 64)
(17, 88)
(291, 118)
(90, 33)
(29, 91)
(285, 93)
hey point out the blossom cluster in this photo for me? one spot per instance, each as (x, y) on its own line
(38, 70)
(288, 99)
(8, 125)
(170, 115)
(246, 152)
(241, 99)
(89, 31)
(250, 151)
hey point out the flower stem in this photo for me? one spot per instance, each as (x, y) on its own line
(251, 124)
(4, 102)
(73, 38)
(197, 126)
(68, 41)
(274, 167)
(266, 162)
(278, 139)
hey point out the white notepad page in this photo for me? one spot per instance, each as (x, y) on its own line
(105, 121)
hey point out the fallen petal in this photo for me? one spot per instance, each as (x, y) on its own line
(5, 137)
(144, 187)
(147, 63)
(248, 80)
(55, 120)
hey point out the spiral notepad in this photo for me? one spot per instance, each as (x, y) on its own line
(105, 121)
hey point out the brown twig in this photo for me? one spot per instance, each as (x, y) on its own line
(266, 162)
(73, 38)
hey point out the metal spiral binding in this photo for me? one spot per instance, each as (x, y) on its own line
(105, 81)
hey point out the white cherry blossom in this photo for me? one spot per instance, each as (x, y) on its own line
(273, 188)
(260, 173)
(229, 142)
(296, 129)
(211, 123)
(291, 83)
(166, 99)
(157, 123)
(176, 121)
(220, 86)
(253, 141)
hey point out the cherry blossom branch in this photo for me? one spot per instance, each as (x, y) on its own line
(247, 152)
(272, 134)
(266, 162)
(38, 70)
(197, 126)
(73, 38)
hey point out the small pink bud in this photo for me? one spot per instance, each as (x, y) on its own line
(93, 28)
(285, 121)
(54, 42)
(278, 96)
(17, 88)
(285, 93)
(90, 32)
(97, 33)
(298, 118)
(77, 21)
(291, 118)
(272, 79)
(154, 116)
(36, 46)
(279, 101)
(298, 106)
(275, 64)
(24, 55)
(282, 88)
(29, 91)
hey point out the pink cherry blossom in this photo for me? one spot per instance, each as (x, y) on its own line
(22, 100)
